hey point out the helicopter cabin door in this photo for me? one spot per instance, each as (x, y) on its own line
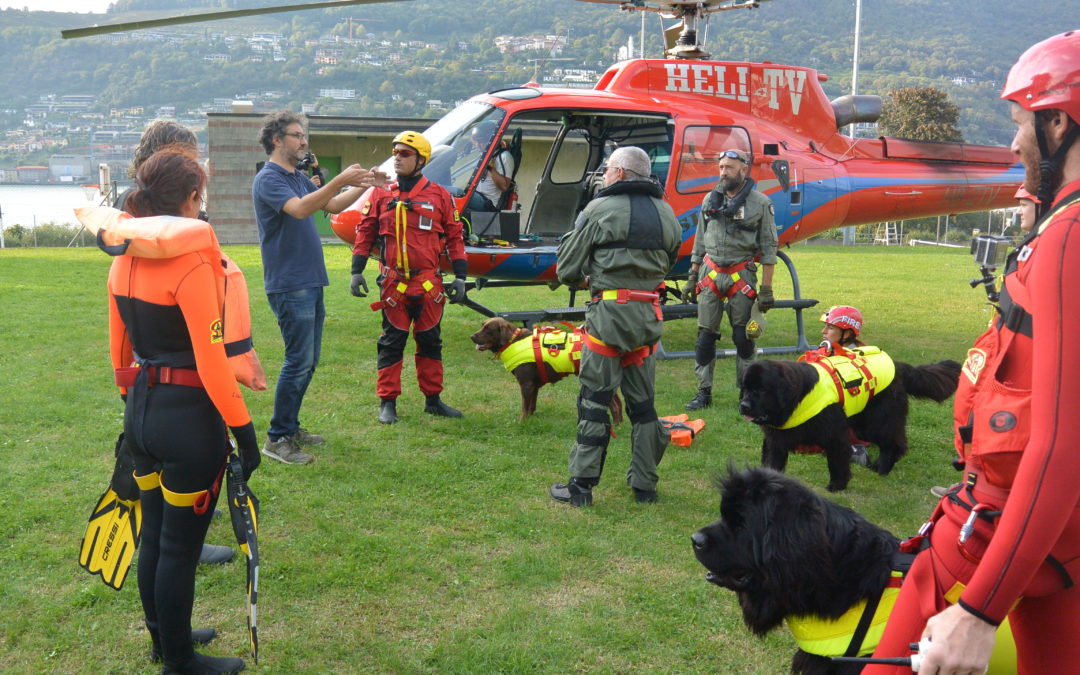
(561, 186)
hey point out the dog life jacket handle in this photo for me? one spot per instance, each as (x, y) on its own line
(738, 285)
(538, 351)
(842, 386)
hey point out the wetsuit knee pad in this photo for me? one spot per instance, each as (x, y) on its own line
(705, 347)
(744, 346)
(429, 343)
(641, 412)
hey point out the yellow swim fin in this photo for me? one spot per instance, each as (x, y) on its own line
(112, 535)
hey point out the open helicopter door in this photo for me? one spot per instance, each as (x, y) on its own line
(562, 184)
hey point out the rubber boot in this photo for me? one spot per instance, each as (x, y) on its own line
(388, 411)
(703, 399)
(645, 496)
(202, 664)
(575, 492)
(199, 636)
(435, 406)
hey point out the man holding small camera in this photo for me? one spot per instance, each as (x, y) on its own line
(294, 269)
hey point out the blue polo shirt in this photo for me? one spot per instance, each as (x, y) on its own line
(292, 251)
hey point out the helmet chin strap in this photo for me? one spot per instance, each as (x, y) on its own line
(1050, 166)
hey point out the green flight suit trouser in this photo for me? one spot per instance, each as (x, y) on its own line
(711, 310)
(648, 438)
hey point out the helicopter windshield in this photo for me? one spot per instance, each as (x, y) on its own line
(459, 142)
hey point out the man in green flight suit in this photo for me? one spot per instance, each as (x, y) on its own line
(623, 244)
(736, 232)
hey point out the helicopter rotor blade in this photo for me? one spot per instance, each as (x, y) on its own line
(209, 16)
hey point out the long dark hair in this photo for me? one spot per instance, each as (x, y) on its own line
(165, 182)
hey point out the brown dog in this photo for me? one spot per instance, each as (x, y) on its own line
(496, 334)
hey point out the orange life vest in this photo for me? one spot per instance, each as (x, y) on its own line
(120, 233)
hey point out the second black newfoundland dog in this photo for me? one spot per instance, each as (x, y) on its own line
(771, 391)
(786, 552)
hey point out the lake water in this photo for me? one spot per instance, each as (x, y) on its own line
(30, 205)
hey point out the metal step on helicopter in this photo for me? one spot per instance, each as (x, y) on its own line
(684, 110)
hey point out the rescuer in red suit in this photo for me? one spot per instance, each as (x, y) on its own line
(414, 221)
(1018, 427)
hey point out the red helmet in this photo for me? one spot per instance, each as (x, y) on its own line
(1047, 75)
(1022, 193)
(844, 316)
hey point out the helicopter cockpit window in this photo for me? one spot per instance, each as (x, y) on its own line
(700, 152)
(456, 145)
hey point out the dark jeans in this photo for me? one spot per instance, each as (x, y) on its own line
(300, 316)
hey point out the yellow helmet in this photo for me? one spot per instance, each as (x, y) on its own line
(416, 141)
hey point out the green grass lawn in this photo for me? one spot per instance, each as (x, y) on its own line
(431, 546)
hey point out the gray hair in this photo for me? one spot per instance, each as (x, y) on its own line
(159, 134)
(633, 160)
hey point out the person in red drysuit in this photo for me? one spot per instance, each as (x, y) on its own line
(1020, 392)
(414, 220)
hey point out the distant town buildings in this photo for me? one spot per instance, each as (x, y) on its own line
(78, 135)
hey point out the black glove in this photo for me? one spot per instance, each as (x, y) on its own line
(689, 293)
(248, 447)
(359, 262)
(455, 292)
(765, 298)
(356, 284)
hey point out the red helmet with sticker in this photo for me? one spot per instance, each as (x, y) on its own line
(1047, 76)
(1022, 193)
(844, 316)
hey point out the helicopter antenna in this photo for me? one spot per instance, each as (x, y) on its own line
(682, 38)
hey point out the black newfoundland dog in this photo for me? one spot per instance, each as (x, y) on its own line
(785, 551)
(771, 390)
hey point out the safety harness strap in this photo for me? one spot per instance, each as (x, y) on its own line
(624, 295)
(634, 357)
(199, 501)
(738, 284)
(188, 377)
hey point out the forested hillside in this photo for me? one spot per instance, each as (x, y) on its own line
(963, 46)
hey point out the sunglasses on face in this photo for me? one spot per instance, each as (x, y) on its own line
(732, 154)
(404, 154)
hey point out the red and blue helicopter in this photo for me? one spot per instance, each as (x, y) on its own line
(684, 110)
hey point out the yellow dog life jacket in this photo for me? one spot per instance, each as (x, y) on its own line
(559, 349)
(829, 637)
(850, 378)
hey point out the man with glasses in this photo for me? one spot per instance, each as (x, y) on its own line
(294, 270)
(414, 220)
(623, 245)
(736, 232)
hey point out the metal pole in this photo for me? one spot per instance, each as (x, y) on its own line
(855, 60)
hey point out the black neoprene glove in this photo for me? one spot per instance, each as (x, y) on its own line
(765, 298)
(248, 447)
(455, 293)
(359, 262)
